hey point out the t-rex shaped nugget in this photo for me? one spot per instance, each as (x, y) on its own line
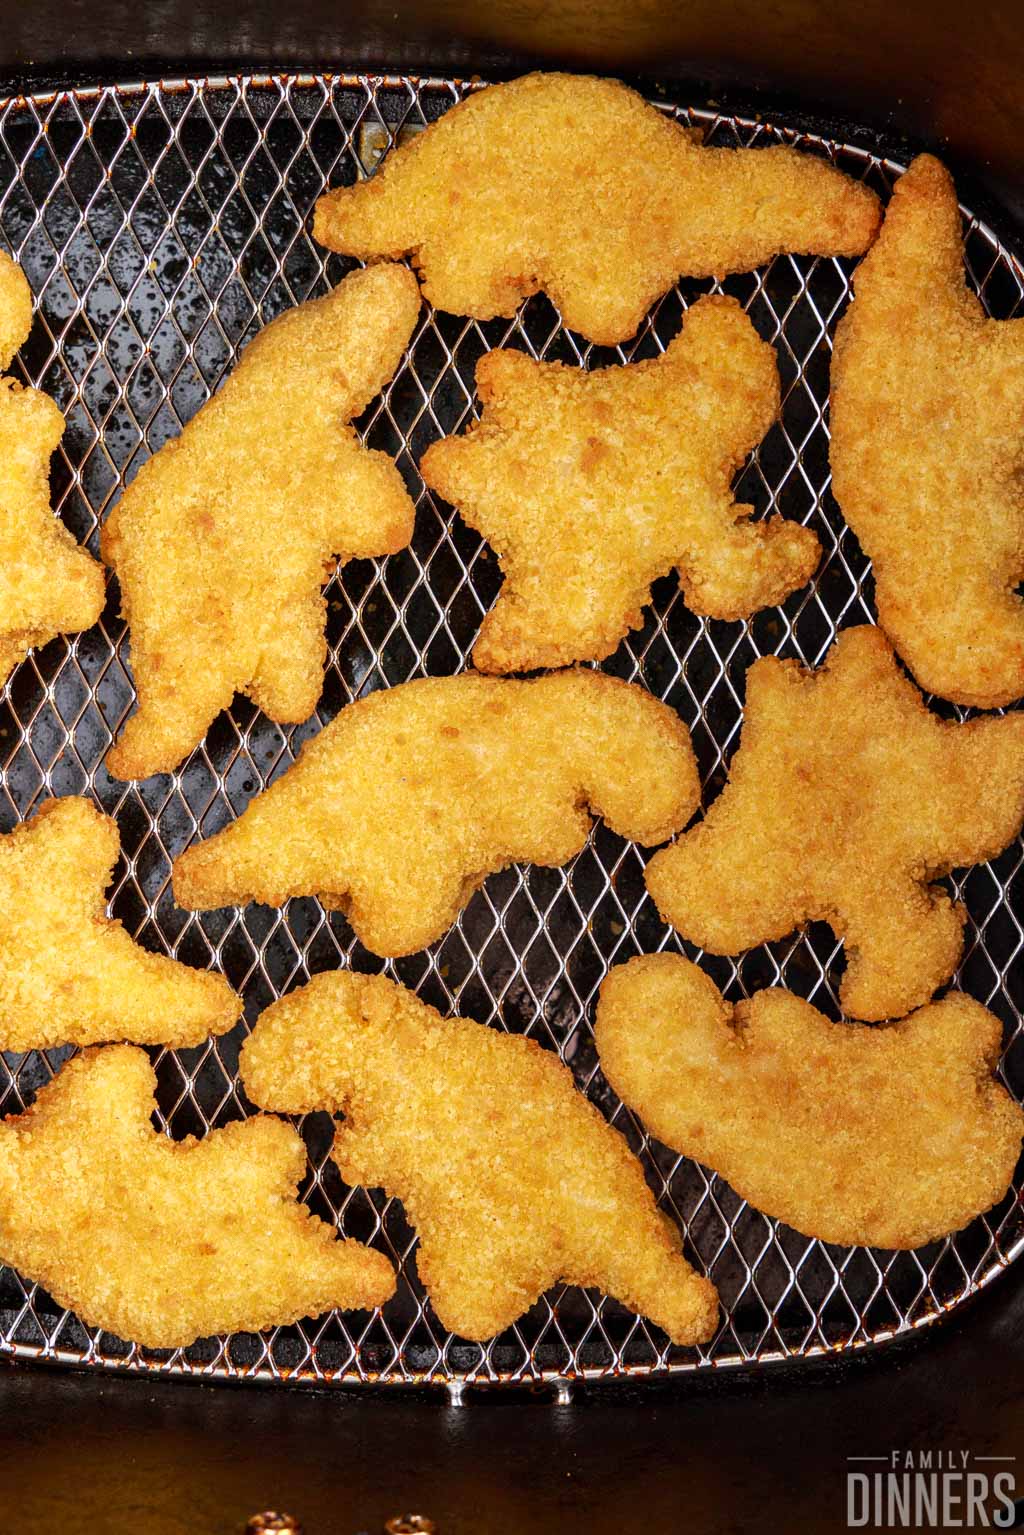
(928, 449)
(48, 585)
(224, 539)
(580, 187)
(886, 1137)
(844, 799)
(161, 1242)
(396, 812)
(67, 974)
(512, 1179)
(591, 485)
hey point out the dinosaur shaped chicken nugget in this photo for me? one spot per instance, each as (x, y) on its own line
(580, 187)
(886, 1137)
(48, 585)
(591, 485)
(844, 799)
(161, 1242)
(396, 812)
(224, 539)
(928, 449)
(512, 1179)
(67, 974)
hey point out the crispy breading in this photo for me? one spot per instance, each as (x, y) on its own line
(886, 1137)
(592, 485)
(844, 799)
(68, 975)
(927, 420)
(48, 585)
(578, 186)
(397, 811)
(512, 1179)
(161, 1242)
(224, 539)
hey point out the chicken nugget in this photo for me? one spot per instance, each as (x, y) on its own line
(592, 485)
(48, 585)
(396, 812)
(845, 798)
(224, 539)
(511, 1177)
(68, 975)
(886, 1137)
(162, 1241)
(579, 186)
(927, 421)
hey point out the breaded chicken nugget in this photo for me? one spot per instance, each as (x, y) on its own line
(68, 975)
(511, 1178)
(398, 810)
(592, 485)
(224, 539)
(927, 422)
(580, 187)
(886, 1137)
(161, 1242)
(844, 799)
(48, 585)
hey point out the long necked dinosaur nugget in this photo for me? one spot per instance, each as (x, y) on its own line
(397, 811)
(844, 799)
(67, 974)
(48, 585)
(928, 449)
(223, 540)
(511, 1178)
(580, 187)
(886, 1137)
(161, 1242)
(592, 485)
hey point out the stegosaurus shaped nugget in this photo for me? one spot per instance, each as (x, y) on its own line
(511, 1178)
(580, 187)
(160, 1241)
(224, 539)
(591, 485)
(845, 798)
(48, 585)
(67, 974)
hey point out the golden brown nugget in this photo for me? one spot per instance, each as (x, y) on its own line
(511, 1177)
(885, 1137)
(224, 539)
(845, 798)
(592, 485)
(160, 1241)
(928, 449)
(68, 975)
(398, 810)
(580, 187)
(48, 585)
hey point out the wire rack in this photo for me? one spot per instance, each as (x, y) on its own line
(160, 226)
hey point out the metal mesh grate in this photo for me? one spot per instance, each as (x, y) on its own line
(160, 226)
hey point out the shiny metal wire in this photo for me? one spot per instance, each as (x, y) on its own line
(161, 225)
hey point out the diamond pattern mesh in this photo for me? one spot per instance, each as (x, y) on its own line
(160, 227)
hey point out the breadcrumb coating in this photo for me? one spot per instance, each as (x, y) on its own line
(592, 485)
(580, 187)
(885, 1137)
(845, 798)
(48, 585)
(397, 811)
(512, 1179)
(161, 1242)
(225, 537)
(68, 975)
(927, 449)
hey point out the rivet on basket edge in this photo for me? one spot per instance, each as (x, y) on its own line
(410, 1524)
(262, 1524)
